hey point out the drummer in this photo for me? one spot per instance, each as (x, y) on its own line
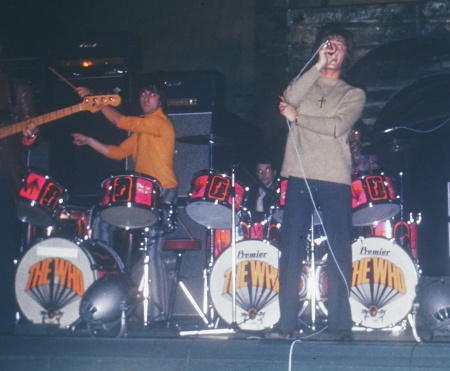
(261, 201)
(152, 148)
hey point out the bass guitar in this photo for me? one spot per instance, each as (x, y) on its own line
(93, 103)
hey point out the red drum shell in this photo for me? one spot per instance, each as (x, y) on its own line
(373, 199)
(131, 201)
(40, 199)
(210, 199)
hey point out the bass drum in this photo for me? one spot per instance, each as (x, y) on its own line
(54, 274)
(257, 285)
(384, 280)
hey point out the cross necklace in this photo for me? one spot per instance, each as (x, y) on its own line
(325, 93)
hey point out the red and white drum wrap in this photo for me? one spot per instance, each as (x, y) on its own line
(131, 201)
(40, 199)
(373, 199)
(210, 201)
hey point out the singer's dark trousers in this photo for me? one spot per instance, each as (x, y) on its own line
(334, 201)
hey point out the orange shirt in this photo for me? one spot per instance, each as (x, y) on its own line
(151, 146)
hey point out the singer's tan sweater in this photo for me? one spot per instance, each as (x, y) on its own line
(317, 145)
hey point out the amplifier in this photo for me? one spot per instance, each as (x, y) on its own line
(110, 52)
(190, 91)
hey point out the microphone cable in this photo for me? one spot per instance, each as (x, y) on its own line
(326, 43)
(330, 249)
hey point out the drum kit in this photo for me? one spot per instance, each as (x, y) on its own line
(60, 264)
(242, 277)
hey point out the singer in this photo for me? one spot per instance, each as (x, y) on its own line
(321, 109)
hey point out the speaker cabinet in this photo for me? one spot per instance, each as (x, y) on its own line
(81, 169)
(191, 158)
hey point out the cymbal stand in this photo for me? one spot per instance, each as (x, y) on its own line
(207, 306)
(144, 285)
(233, 248)
(311, 278)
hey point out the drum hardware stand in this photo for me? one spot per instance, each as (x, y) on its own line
(144, 285)
(234, 326)
(412, 321)
(311, 280)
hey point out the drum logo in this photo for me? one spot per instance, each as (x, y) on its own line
(54, 283)
(257, 285)
(254, 273)
(144, 189)
(122, 190)
(376, 282)
(377, 188)
(51, 192)
(219, 188)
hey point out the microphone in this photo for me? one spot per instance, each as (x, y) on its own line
(326, 44)
(389, 130)
(329, 46)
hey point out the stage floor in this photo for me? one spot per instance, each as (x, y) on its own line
(185, 346)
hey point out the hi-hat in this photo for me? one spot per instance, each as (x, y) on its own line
(207, 139)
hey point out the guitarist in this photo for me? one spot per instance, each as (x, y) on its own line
(152, 147)
(16, 104)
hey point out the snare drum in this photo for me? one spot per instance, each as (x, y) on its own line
(257, 285)
(210, 199)
(54, 274)
(373, 199)
(131, 201)
(40, 199)
(384, 280)
(72, 223)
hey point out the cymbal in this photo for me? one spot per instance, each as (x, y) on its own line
(207, 139)
(391, 146)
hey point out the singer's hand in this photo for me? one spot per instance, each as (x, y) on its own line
(326, 55)
(288, 111)
(331, 56)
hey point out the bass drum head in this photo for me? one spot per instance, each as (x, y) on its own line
(54, 274)
(257, 285)
(384, 280)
